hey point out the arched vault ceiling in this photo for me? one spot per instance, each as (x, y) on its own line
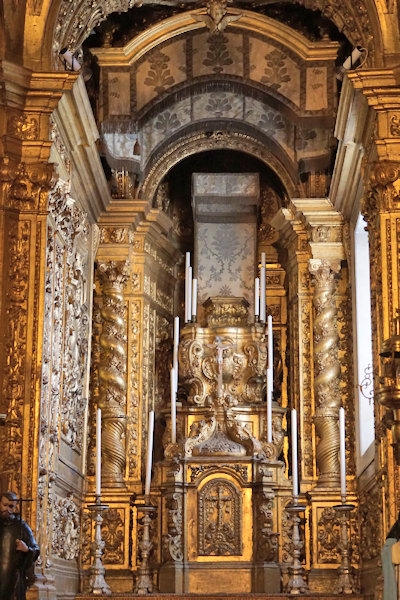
(75, 20)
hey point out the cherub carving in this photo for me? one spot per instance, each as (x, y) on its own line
(217, 17)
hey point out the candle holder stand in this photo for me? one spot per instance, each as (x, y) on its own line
(97, 584)
(345, 584)
(144, 583)
(296, 583)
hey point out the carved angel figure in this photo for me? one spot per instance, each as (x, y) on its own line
(217, 17)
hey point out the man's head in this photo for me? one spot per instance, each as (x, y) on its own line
(8, 504)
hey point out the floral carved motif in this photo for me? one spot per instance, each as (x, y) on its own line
(66, 528)
(173, 540)
(113, 536)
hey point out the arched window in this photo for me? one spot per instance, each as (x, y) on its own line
(363, 348)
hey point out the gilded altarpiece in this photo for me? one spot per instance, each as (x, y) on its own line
(380, 208)
(133, 313)
(321, 378)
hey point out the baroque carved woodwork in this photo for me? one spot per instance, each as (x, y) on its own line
(327, 370)
(112, 370)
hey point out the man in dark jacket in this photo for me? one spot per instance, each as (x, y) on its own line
(18, 549)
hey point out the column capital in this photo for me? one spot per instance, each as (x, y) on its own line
(114, 274)
(324, 270)
(25, 186)
(324, 225)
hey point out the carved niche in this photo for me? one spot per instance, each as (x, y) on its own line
(219, 511)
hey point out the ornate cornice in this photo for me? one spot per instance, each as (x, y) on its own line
(76, 20)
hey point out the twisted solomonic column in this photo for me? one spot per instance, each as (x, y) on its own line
(326, 371)
(112, 372)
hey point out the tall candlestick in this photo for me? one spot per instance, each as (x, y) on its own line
(269, 405)
(295, 480)
(98, 452)
(150, 439)
(262, 289)
(257, 297)
(173, 406)
(194, 299)
(342, 439)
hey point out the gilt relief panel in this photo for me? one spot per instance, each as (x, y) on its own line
(219, 509)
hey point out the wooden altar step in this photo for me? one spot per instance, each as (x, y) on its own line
(229, 596)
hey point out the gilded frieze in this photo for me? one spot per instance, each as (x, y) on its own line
(173, 539)
(115, 235)
(23, 127)
(199, 470)
(266, 539)
(28, 185)
(346, 366)
(134, 378)
(18, 240)
(370, 524)
(328, 536)
(305, 359)
(394, 127)
(162, 360)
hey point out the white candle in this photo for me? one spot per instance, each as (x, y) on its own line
(295, 480)
(173, 406)
(194, 299)
(257, 297)
(187, 265)
(98, 452)
(175, 344)
(342, 438)
(269, 405)
(188, 295)
(150, 439)
(270, 345)
(262, 289)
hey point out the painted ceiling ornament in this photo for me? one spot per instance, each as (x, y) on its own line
(217, 16)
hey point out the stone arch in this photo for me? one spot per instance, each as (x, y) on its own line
(218, 140)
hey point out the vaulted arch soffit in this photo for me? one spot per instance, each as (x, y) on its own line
(195, 142)
(259, 79)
